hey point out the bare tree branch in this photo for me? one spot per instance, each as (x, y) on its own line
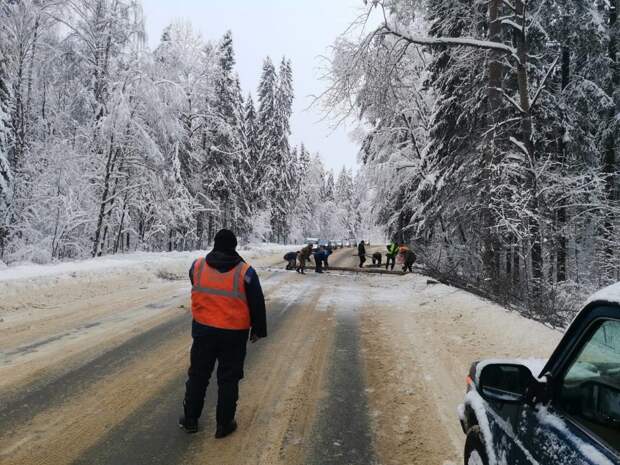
(544, 82)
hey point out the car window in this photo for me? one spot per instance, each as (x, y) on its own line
(590, 391)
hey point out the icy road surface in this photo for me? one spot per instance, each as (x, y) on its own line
(357, 369)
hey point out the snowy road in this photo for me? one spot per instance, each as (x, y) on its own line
(358, 369)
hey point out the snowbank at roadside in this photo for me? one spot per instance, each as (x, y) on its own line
(153, 260)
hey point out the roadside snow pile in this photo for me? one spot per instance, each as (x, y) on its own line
(253, 251)
(161, 262)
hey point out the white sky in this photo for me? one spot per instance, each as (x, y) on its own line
(300, 29)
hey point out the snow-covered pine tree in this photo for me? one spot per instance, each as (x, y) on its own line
(266, 123)
(284, 102)
(468, 105)
(569, 116)
(251, 146)
(303, 206)
(282, 166)
(302, 165)
(492, 127)
(253, 159)
(329, 187)
(223, 150)
(307, 213)
(242, 195)
(346, 204)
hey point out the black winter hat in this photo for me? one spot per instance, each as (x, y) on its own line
(225, 241)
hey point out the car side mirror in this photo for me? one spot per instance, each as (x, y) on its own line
(508, 383)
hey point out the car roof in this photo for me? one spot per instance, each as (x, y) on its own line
(609, 294)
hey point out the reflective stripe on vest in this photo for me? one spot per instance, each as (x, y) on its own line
(235, 292)
(219, 299)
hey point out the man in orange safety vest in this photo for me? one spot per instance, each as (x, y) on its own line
(227, 306)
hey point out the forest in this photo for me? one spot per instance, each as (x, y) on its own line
(491, 136)
(107, 146)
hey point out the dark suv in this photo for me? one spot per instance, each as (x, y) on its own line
(565, 411)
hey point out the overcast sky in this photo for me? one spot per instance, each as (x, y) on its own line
(300, 29)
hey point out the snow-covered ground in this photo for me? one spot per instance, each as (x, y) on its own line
(120, 262)
(67, 309)
(31, 277)
(416, 343)
(420, 340)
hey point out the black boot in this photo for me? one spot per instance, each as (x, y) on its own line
(189, 425)
(225, 430)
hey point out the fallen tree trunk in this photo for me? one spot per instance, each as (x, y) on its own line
(366, 270)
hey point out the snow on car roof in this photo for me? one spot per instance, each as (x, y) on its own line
(609, 294)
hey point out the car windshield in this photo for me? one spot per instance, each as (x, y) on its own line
(590, 392)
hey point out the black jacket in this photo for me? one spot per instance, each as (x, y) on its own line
(223, 262)
(410, 257)
(361, 250)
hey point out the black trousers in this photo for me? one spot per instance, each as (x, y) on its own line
(408, 267)
(391, 260)
(228, 349)
(362, 260)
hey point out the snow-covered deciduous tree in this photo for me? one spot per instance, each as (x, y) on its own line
(107, 146)
(6, 173)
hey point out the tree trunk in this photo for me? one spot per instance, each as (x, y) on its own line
(211, 227)
(495, 60)
(33, 53)
(495, 73)
(200, 229)
(509, 254)
(119, 242)
(526, 138)
(516, 266)
(18, 152)
(609, 161)
(104, 199)
(561, 213)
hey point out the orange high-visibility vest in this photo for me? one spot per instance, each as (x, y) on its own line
(219, 299)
